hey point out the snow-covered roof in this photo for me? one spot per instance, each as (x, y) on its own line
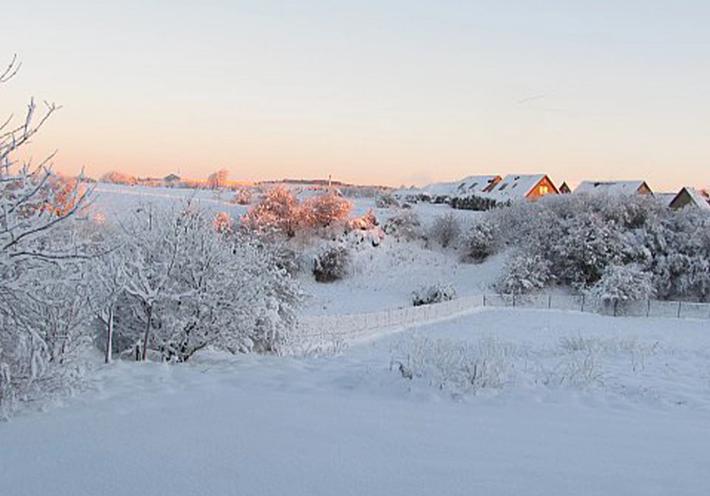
(467, 186)
(470, 185)
(515, 186)
(700, 197)
(611, 187)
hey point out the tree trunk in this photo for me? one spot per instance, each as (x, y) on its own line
(109, 335)
(146, 336)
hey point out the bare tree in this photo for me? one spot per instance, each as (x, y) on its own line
(42, 286)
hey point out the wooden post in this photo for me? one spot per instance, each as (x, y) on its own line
(513, 300)
(549, 301)
(582, 309)
(679, 306)
(648, 308)
(484, 299)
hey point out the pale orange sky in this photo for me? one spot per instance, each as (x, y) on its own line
(379, 92)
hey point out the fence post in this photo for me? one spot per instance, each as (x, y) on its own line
(648, 308)
(679, 306)
(484, 299)
(513, 300)
(582, 309)
(549, 301)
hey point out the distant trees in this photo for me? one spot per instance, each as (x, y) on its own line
(218, 179)
(116, 177)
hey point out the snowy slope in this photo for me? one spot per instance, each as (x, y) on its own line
(347, 425)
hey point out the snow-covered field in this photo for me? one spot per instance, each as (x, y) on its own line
(351, 424)
(495, 401)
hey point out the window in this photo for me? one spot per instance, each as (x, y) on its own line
(543, 189)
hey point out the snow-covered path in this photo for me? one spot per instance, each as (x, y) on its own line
(347, 425)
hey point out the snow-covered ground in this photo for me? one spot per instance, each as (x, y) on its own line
(496, 401)
(351, 424)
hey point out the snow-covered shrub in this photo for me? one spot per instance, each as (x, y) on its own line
(278, 212)
(445, 230)
(405, 225)
(479, 242)
(435, 293)
(386, 200)
(580, 236)
(189, 286)
(324, 211)
(243, 196)
(623, 284)
(454, 366)
(524, 273)
(331, 264)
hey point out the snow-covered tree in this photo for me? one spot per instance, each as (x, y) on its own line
(218, 179)
(44, 288)
(190, 285)
(445, 230)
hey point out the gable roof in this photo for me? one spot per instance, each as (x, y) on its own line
(516, 186)
(699, 198)
(611, 187)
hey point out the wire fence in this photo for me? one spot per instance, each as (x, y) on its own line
(363, 325)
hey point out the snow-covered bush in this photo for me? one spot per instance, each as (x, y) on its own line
(243, 196)
(445, 230)
(331, 264)
(405, 225)
(621, 285)
(278, 212)
(189, 286)
(524, 273)
(386, 200)
(435, 293)
(326, 210)
(479, 242)
(578, 237)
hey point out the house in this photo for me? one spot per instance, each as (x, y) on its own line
(171, 180)
(623, 188)
(691, 197)
(446, 191)
(522, 187)
(564, 189)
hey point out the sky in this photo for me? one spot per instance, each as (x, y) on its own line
(387, 92)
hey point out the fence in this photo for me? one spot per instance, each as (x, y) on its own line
(363, 325)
